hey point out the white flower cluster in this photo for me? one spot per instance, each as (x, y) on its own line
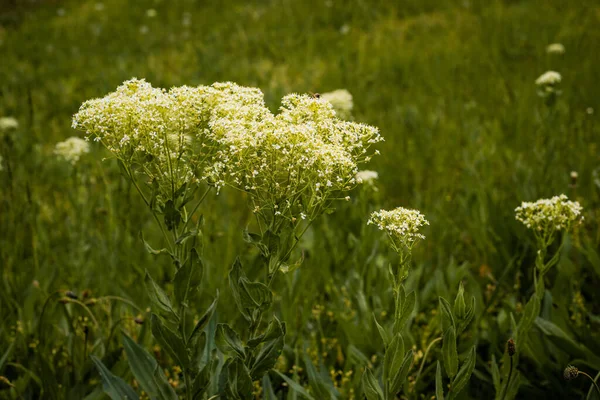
(151, 128)
(547, 216)
(8, 123)
(548, 78)
(342, 103)
(291, 163)
(366, 176)
(72, 149)
(401, 224)
(555, 48)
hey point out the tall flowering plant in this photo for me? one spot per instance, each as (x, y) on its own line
(292, 166)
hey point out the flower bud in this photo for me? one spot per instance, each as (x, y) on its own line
(460, 307)
(511, 348)
(571, 373)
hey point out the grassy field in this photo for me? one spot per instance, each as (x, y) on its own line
(451, 86)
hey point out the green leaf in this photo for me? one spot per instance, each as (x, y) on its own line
(565, 342)
(371, 386)
(392, 361)
(317, 385)
(114, 386)
(171, 342)
(186, 235)
(464, 374)
(382, 332)
(201, 383)
(495, 374)
(158, 298)
(399, 379)
(449, 352)
(405, 305)
(227, 340)
(446, 314)
(188, 278)
(235, 274)
(273, 331)
(267, 386)
(268, 354)
(254, 295)
(147, 372)
(239, 384)
(439, 384)
(295, 386)
(6, 354)
(204, 319)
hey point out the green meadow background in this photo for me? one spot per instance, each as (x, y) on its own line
(450, 84)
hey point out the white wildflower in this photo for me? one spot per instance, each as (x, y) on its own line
(366, 176)
(547, 216)
(72, 149)
(549, 78)
(342, 103)
(555, 48)
(151, 13)
(402, 226)
(8, 123)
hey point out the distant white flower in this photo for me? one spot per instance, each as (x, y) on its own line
(99, 6)
(555, 48)
(144, 29)
(342, 103)
(547, 216)
(549, 78)
(345, 29)
(366, 176)
(151, 13)
(589, 110)
(72, 149)
(8, 123)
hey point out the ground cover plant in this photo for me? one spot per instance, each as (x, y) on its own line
(285, 200)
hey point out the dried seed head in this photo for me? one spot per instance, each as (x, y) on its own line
(511, 347)
(571, 373)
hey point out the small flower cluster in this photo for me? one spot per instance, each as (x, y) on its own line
(547, 216)
(402, 226)
(547, 83)
(72, 149)
(342, 103)
(8, 123)
(555, 48)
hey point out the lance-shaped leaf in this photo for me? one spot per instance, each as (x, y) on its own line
(371, 386)
(273, 331)
(382, 332)
(204, 319)
(449, 352)
(113, 386)
(397, 381)
(446, 315)
(464, 374)
(239, 384)
(439, 384)
(147, 372)
(405, 305)
(170, 341)
(268, 354)
(228, 341)
(295, 386)
(188, 278)
(394, 355)
(159, 299)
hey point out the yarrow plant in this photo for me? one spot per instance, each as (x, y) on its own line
(402, 225)
(72, 149)
(342, 102)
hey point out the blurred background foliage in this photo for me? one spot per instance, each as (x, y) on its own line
(451, 86)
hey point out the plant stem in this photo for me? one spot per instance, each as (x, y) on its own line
(424, 358)
(505, 389)
(593, 381)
